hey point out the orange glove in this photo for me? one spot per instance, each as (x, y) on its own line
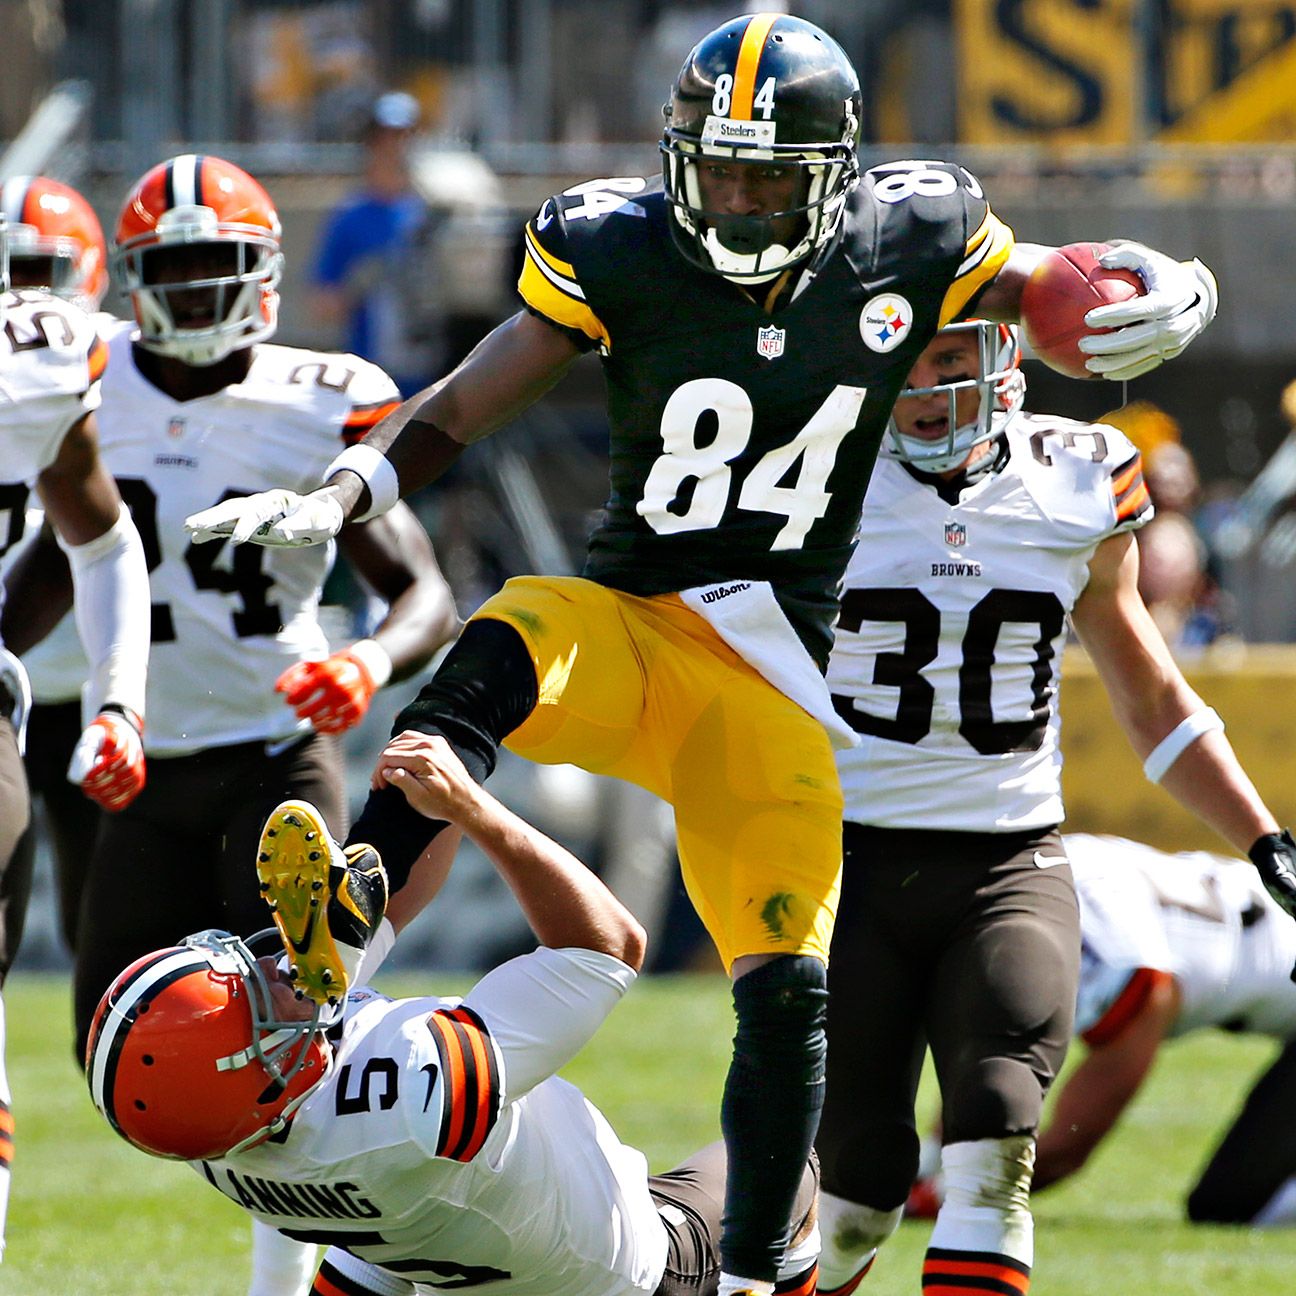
(108, 760)
(334, 694)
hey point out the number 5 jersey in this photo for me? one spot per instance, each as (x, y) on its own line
(949, 644)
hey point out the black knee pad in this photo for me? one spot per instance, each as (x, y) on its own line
(783, 1004)
(993, 1098)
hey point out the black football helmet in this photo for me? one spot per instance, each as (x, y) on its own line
(771, 90)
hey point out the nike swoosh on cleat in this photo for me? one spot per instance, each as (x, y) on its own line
(1048, 861)
(303, 946)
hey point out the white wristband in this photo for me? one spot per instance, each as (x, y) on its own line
(1177, 741)
(377, 473)
(374, 658)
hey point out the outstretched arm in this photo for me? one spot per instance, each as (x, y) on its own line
(566, 905)
(510, 369)
(1151, 698)
(1101, 1087)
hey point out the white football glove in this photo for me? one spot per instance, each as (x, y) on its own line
(1180, 301)
(277, 517)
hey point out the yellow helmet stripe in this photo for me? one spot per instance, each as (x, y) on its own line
(749, 56)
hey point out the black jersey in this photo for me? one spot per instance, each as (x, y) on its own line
(742, 439)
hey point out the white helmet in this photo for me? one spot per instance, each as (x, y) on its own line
(1002, 387)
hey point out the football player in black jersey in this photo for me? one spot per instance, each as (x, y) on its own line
(756, 316)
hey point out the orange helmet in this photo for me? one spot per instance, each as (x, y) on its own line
(187, 1059)
(199, 206)
(55, 240)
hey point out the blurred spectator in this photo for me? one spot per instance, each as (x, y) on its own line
(311, 68)
(362, 279)
(1176, 576)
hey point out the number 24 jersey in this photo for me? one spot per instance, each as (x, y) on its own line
(227, 621)
(741, 439)
(949, 645)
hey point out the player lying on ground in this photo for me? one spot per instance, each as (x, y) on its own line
(1172, 944)
(427, 1143)
(756, 316)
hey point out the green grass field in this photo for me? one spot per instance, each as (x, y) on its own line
(91, 1217)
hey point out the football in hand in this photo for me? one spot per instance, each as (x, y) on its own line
(1065, 285)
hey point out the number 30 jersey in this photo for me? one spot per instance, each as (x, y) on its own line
(742, 438)
(948, 649)
(443, 1148)
(227, 621)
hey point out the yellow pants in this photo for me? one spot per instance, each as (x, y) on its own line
(645, 690)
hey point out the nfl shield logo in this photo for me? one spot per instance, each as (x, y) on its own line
(955, 533)
(176, 428)
(769, 342)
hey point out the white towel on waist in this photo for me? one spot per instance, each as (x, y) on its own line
(746, 615)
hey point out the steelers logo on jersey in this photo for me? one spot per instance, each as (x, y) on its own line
(885, 322)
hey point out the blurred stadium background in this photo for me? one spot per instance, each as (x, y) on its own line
(1168, 121)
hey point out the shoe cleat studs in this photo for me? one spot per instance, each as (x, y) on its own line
(292, 819)
(314, 855)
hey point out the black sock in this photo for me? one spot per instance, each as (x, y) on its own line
(772, 1099)
(483, 690)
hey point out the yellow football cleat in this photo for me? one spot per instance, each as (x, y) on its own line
(327, 902)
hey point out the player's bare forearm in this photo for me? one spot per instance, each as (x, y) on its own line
(426, 879)
(38, 594)
(1098, 1090)
(394, 557)
(509, 370)
(566, 905)
(1150, 697)
(77, 492)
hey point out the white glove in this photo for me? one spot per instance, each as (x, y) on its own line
(277, 517)
(1180, 301)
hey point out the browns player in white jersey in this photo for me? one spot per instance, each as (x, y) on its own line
(428, 1143)
(1171, 944)
(51, 362)
(246, 699)
(57, 244)
(984, 529)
